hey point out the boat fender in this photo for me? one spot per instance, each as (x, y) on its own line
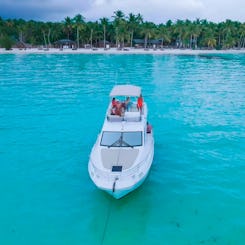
(148, 128)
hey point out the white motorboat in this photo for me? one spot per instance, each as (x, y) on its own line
(122, 156)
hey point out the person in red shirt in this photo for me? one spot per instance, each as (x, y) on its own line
(116, 107)
(140, 103)
(113, 103)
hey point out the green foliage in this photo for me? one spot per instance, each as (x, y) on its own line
(6, 42)
(122, 29)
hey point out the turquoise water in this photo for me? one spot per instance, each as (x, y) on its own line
(52, 108)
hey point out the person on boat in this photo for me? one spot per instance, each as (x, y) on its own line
(140, 103)
(126, 104)
(116, 111)
(116, 107)
(148, 128)
(113, 102)
(116, 103)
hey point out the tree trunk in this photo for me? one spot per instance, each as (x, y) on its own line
(44, 38)
(21, 36)
(117, 37)
(48, 36)
(104, 36)
(131, 41)
(77, 37)
(145, 41)
(91, 38)
(243, 42)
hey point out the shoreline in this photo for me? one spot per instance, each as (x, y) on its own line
(123, 51)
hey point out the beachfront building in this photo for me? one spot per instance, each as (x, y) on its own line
(104, 44)
(65, 44)
(151, 43)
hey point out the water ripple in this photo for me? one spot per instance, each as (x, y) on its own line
(52, 108)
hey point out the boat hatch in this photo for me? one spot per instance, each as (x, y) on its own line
(116, 169)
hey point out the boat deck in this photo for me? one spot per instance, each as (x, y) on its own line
(118, 157)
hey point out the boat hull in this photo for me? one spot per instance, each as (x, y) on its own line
(122, 155)
(114, 184)
(119, 193)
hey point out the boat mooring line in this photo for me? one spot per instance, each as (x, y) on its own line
(106, 221)
(114, 185)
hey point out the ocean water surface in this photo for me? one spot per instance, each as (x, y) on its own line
(52, 108)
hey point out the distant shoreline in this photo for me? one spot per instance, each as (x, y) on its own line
(123, 51)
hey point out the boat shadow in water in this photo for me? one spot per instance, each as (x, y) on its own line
(126, 218)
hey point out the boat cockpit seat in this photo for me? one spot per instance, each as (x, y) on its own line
(114, 118)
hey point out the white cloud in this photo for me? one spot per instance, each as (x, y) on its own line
(162, 10)
(158, 11)
(220, 10)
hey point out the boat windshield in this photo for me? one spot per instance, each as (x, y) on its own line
(121, 139)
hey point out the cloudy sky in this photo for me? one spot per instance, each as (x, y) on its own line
(158, 11)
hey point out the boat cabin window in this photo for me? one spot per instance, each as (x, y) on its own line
(121, 139)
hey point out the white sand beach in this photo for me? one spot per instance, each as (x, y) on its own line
(122, 51)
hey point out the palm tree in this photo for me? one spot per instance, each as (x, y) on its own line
(184, 33)
(57, 31)
(123, 33)
(118, 15)
(196, 31)
(79, 24)
(229, 31)
(191, 31)
(93, 33)
(44, 27)
(119, 24)
(209, 38)
(164, 34)
(148, 30)
(49, 27)
(133, 22)
(179, 30)
(68, 24)
(104, 22)
(211, 42)
(241, 32)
